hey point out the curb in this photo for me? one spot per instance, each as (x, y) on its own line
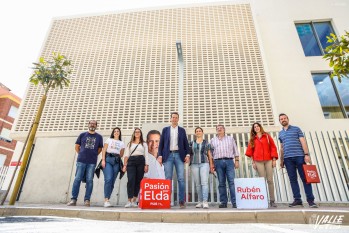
(300, 216)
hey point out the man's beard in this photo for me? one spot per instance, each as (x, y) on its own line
(284, 123)
(92, 128)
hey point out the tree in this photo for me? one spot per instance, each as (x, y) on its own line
(50, 74)
(338, 55)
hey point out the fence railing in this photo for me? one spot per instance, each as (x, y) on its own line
(329, 151)
(3, 173)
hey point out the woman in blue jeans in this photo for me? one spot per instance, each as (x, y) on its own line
(112, 152)
(201, 166)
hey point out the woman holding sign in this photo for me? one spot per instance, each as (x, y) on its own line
(262, 150)
(201, 164)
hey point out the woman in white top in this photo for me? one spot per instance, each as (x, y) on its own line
(112, 152)
(135, 163)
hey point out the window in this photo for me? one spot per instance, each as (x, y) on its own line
(2, 160)
(333, 95)
(5, 135)
(313, 37)
(13, 112)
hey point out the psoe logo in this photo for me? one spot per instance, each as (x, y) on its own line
(311, 174)
(326, 221)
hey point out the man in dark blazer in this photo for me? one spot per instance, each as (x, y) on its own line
(174, 150)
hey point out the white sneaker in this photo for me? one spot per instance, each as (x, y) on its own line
(134, 204)
(128, 205)
(205, 205)
(199, 205)
(107, 204)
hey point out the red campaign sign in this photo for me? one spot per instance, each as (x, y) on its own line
(155, 194)
(14, 163)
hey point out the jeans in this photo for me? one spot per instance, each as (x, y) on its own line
(265, 169)
(135, 173)
(110, 172)
(293, 164)
(226, 171)
(175, 159)
(81, 170)
(200, 174)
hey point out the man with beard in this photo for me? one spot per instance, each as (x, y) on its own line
(293, 154)
(88, 146)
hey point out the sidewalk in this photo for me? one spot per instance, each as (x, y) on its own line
(280, 215)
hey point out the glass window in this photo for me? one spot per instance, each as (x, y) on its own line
(332, 95)
(313, 37)
(13, 112)
(343, 92)
(308, 40)
(323, 29)
(2, 160)
(5, 135)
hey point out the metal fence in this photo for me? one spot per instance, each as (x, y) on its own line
(3, 173)
(329, 151)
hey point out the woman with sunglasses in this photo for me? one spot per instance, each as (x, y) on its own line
(201, 166)
(262, 150)
(112, 152)
(135, 163)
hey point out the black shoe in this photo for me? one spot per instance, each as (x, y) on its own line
(312, 204)
(181, 205)
(223, 205)
(296, 203)
(234, 205)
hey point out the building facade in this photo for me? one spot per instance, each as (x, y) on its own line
(244, 61)
(9, 105)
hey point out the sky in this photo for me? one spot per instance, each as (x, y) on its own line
(24, 25)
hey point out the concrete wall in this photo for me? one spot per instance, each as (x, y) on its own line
(51, 175)
(288, 69)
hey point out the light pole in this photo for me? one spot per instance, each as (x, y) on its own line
(180, 77)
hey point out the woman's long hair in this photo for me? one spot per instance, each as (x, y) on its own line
(253, 133)
(133, 138)
(112, 133)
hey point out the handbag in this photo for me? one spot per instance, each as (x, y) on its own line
(311, 174)
(98, 169)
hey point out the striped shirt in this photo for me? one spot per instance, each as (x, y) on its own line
(224, 147)
(291, 144)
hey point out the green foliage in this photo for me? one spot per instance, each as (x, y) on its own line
(52, 74)
(338, 55)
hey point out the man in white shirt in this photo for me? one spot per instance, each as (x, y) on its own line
(156, 170)
(174, 151)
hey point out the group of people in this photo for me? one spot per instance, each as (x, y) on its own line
(161, 153)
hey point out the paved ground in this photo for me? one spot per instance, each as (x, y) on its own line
(49, 218)
(30, 224)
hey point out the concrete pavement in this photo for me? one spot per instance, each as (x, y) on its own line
(282, 215)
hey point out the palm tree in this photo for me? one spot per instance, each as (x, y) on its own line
(50, 74)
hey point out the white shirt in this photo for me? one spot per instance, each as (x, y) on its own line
(155, 170)
(141, 150)
(174, 138)
(114, 146)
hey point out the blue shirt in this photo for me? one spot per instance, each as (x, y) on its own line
(89, 145)
(290, 141)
